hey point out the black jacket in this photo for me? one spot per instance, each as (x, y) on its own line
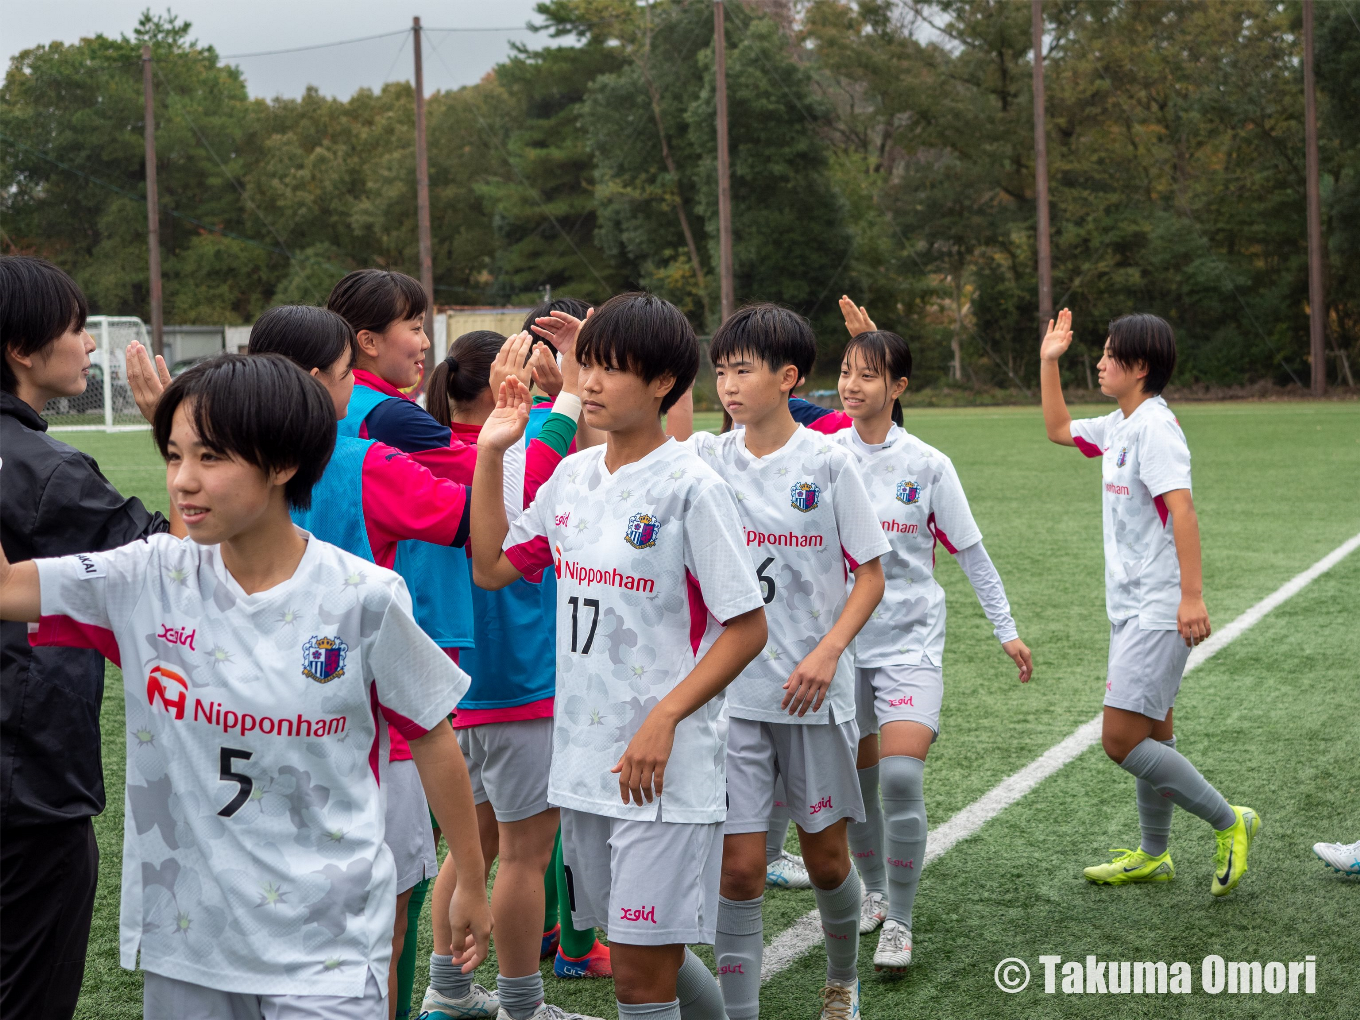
(53, 502)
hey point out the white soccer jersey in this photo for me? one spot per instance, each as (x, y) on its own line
(253, 853)
(644, 557)
(919, 503)
(1143, 457)
(808, 523)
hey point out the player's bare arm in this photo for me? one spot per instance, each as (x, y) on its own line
(1192, 617)
(1057, 339)
(491, 568)
(444, 775)
(806, 687)
(642, 768)
(20, 592)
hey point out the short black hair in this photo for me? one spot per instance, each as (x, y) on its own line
(261, 407)
(1150, 339)
(373, 299)
(643, 334)
(769, 333)
(887, 354)
(38, 304)
(308, 336)
(570, 305)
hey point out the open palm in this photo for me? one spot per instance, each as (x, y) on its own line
(504, 427)
(1058, 338)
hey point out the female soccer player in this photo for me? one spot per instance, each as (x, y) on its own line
(646, 545)
(258, 880)
(1153, 591)
(899, 655)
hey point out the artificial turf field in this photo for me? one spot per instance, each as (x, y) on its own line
(1272, 720)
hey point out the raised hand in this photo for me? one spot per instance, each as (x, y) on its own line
(560, 330)
(511, 361)
(857, 320)
(147, 382)
(543, 366)
(1058, 338)
(504, 427)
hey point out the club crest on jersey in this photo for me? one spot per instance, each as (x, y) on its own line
(804, 496)
(323, 659)
(1123, 457)
(908, 492)
(642, 531)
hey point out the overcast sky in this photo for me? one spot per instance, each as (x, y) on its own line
(252, 26)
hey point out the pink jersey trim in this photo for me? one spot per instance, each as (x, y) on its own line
(698, 611)
(851, 564)
(531, 556)
(1087, 447)
(940, 536)
(466, 717)
(1162, 511)
(64, 632)
(829, 424)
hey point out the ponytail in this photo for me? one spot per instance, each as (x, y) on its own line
(897, 411)
(437, 394)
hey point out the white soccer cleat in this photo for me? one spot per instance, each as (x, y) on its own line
(873, 911)
(894, 947)
(1342, 857)
(478, 1004)
(547, 1011)
(840, 1001)
(787, 872)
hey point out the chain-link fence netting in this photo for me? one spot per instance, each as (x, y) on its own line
(107, 402)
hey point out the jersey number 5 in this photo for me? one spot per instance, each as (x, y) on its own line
(228, 776)
(576, 604)
(766, 581)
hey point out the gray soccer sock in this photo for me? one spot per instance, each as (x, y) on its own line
(697, 991)
(740, 948)
(520, 996)
(649, 1010)
(1154, 814)
(839, 908)
(866, 837)
(1170, 772)
(905, 807)
(448, 980)
(779, 824)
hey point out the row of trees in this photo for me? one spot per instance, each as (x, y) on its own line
(879, 148)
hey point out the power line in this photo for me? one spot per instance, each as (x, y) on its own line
(316, 46)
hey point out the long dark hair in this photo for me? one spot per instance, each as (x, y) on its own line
(464, 374)
(888, 355)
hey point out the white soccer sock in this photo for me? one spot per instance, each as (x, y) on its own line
(697, 991)
(649, 1010)
(1154, 814)
(448, 980)
(740, 949)
(839, 908)
(866, 837)
(1169, 771)
(905, 806)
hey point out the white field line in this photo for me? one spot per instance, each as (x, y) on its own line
(806, 932)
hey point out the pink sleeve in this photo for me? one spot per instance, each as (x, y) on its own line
(836, 421)
(456, 462)
(64, 632)
(403, 499)
(531, 556)
(539, 465)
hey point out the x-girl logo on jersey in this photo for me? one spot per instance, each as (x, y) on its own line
(908, 492)
(156, 689)
(1123, 457)
(323, 659)
(805, 496)
(642, 531)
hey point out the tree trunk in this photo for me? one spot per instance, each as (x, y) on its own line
(956, 369)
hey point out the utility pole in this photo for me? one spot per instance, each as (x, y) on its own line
(423, 196)
(1041, 171)
(729, 299)
(153, 219)
(1317, 298)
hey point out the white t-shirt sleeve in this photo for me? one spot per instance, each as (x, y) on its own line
(977, 566)
(716, 557)
(97, 589)
(1089, 435)
(417, 683)
(951, 519)
(857, 524)
(1163, 459)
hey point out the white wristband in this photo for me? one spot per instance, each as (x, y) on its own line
(568, 404)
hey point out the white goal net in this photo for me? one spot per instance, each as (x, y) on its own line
(107, 402)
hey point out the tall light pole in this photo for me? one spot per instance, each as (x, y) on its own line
(423, 196)
(1041, 171)
(153, 218)
(729, 300)
(1317, 298)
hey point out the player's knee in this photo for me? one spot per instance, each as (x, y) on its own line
(742, 879)
(1115, 746)
(827, 864)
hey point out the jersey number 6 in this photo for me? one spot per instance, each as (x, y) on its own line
(576, 604)
(766, 582)
(228, 776)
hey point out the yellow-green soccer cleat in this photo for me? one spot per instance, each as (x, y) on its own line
(1131, 866)
(1230, 858)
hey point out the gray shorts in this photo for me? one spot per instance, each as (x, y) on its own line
(166, 998)
(408, 833)
(509, 763)
(817, 764)
(644, 883)
(885, 694)
(1145, 669)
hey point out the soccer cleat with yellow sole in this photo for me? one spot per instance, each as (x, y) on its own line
(1131, 866)
(1230, 856)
